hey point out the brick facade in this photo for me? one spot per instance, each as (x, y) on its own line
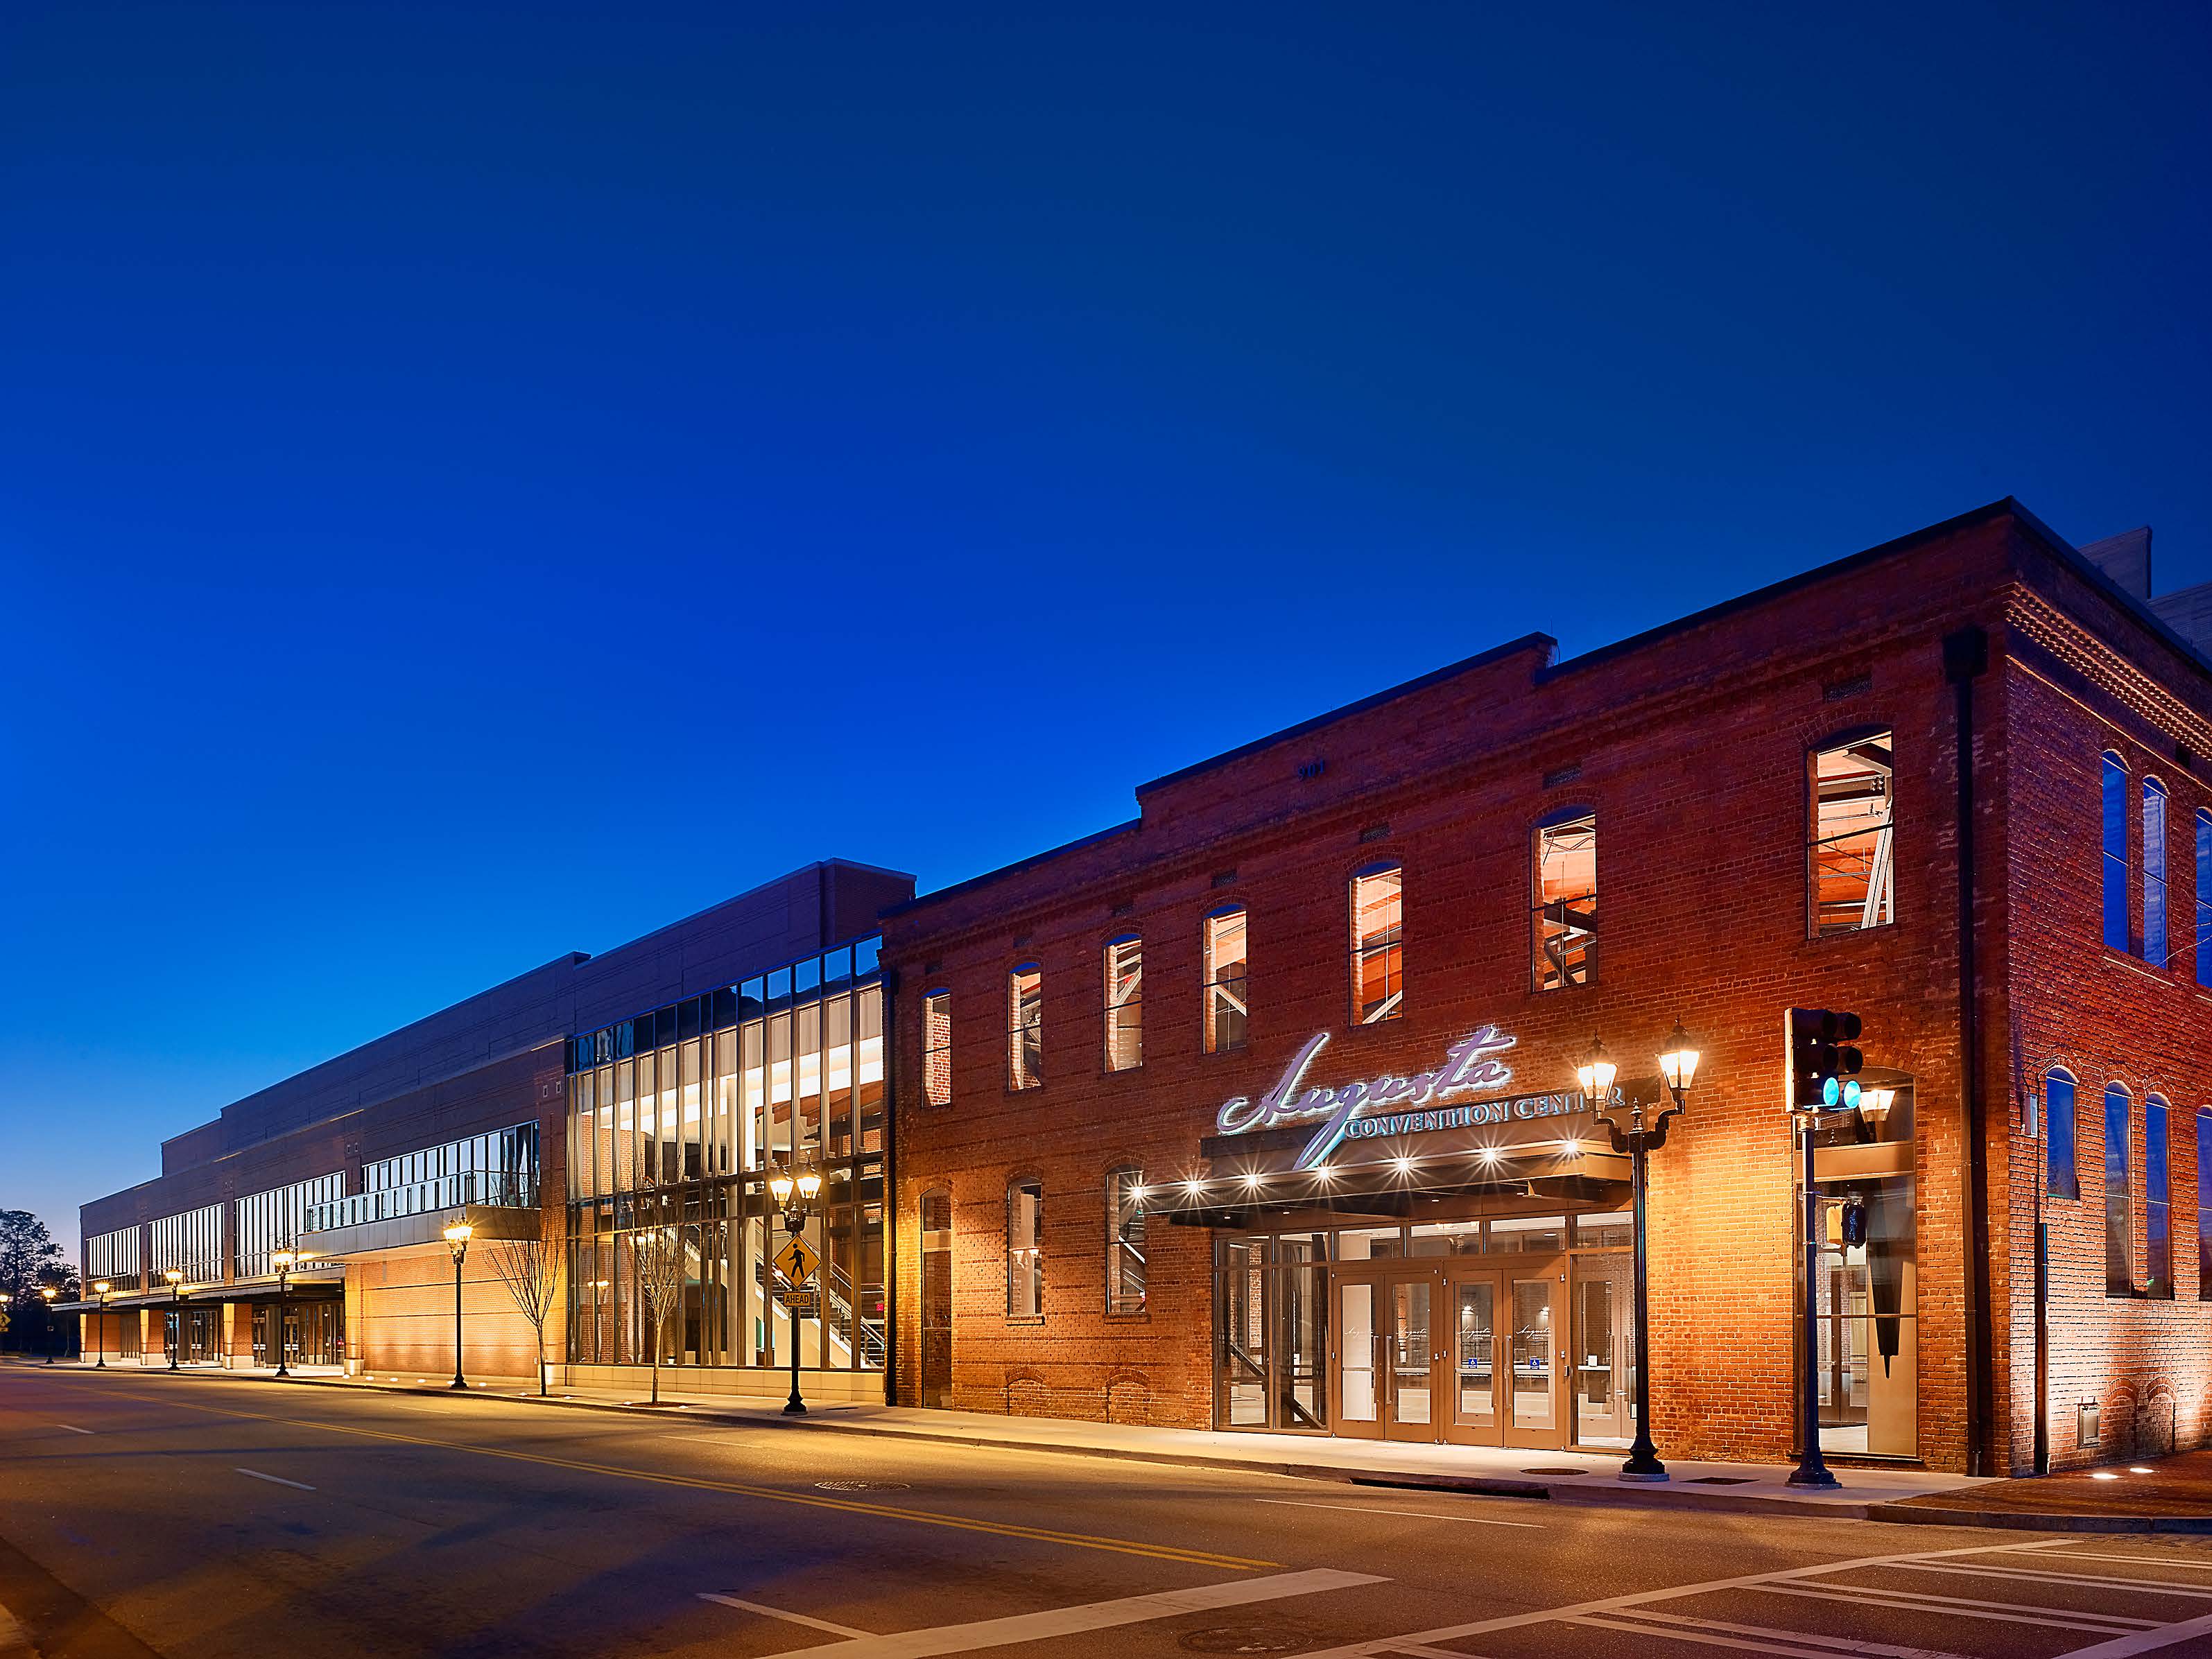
(1692, 743)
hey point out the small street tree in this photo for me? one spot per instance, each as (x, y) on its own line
(658, 1255)
(531, 1270)
(29, 1255)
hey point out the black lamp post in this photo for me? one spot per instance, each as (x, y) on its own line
(101, 1289)
(281, 1261)
(53, 1331)
(1678, 1069)
(794, 1195)
(177, 1314)
(456, 1241)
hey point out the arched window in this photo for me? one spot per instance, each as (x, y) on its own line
(2116, 852)
(2205, 1203)
(2060, 1179)
(1025, 1250)
(937, 1047)
(2154, 871)
(2203, 896)
(1125, 1003)
(1378, 944)
(1024, 1026)
(1565, 878)
(2158, 1201)
(1851, 841)
(1125, 1240)
(1223, 965)
(2119, 1206)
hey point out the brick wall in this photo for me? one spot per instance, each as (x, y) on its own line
(1692, 745)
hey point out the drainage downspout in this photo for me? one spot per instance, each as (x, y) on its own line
(1965, 658)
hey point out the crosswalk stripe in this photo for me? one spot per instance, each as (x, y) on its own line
(1834, 1643)
(2011, 1613)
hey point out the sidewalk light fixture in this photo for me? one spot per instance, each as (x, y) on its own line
(1678, 1069)
(794, 1195)
(177, 1304)
(281, 1261)
(53, 1331)
(101, 1289)
(457, 1240)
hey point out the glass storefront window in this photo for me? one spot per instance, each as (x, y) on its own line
(1538, 1234)
(1868, 1363)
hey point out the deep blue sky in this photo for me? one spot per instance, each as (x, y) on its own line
(477, 482)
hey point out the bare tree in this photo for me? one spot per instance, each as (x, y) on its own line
(530, 1269)
(657, 1252)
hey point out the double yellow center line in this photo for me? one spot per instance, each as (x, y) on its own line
(773, 1494)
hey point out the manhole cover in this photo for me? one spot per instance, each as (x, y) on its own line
(1246, 1638)
(862, 1486)
(1561, 1470)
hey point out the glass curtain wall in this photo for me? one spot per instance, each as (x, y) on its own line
(677, 1118)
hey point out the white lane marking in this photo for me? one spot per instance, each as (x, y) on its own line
(1410, 1515)
(1837, 1644)
(275, 1480)
(1373, 1647)
(2143, 1560)
(2095, 1581)
(1796, 1648)
(808, 1620)
(1096, 1615)
(72, 1428)
(1961, 1607)
(2149, 1641)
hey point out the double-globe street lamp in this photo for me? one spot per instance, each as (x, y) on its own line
(1678, 1070)
(456, 1241)
(177, 1316)
(281, 1261)
(794, 1195)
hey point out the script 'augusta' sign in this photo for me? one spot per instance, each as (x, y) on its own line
(1386, 1107)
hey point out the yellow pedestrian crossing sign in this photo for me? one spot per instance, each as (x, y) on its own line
(796, 1261)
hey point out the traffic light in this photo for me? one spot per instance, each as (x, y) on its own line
(1823, 1063)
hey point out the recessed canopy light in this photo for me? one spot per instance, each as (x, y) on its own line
(1403, 1164)
(1137, 1192)
(1252, 1180)
(1490, 1155)
(1193, 1186)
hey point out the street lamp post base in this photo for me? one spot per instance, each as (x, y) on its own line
(794, 1406)
(455, 1383)
(1812, 1474)
(1652, 1472)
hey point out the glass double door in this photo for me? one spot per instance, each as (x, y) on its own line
(1436, 1352)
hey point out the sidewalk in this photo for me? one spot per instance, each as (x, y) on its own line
(1572, 1476)
(2166, 1494)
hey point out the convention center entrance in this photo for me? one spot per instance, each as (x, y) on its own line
(1446, 1351)
(1497, 1330)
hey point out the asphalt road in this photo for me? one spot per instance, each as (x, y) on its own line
(201, 1516)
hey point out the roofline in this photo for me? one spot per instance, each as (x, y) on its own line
(1374, 699)
(922, 901)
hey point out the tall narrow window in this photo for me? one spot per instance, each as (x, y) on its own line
(2060, 1179)
(1125, 1242)
(2154, 871)
(2203, 896)
(2158, 1201)
(1125, 1003)
(937, 1047)
(2205, 1203)
(2119, 1208)
(1025, 1250)
(1853, 858)
(1378, 947)
(1024, 1027)
(1227, 1008)
(2116, 852)
(1566, 899)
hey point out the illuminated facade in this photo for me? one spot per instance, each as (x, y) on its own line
(1347, 1183)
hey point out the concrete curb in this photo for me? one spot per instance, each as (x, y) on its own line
(1626, 1496)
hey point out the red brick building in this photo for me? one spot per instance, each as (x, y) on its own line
(1259, 1110)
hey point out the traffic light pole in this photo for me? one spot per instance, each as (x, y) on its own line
(1811, 1471)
